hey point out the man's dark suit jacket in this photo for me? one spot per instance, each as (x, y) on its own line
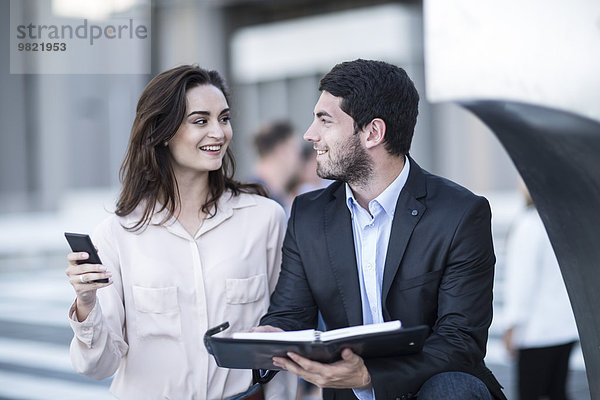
(438, 271)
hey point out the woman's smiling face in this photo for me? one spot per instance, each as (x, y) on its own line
(200, 143)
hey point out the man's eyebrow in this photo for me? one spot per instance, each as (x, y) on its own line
(323, 114)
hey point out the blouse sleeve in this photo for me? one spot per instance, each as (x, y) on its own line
(99, 341)
(274, 243)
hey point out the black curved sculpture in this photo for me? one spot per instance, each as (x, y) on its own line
(558, 155)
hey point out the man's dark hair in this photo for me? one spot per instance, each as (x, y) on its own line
(271, 135)
(375, 89)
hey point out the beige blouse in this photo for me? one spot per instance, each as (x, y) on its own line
(169, 288)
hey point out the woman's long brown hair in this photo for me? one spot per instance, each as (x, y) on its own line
(146, 173)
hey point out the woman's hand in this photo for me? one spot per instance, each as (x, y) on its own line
(82, 277)
(265, 328)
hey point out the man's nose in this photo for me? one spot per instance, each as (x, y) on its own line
(310, 135)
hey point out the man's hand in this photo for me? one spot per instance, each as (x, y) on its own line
(348, 373)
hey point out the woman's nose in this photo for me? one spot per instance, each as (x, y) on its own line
(217, 131)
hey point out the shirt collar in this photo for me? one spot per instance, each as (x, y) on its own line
(388, 198)
(227, 203)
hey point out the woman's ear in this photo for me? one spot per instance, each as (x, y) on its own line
(375, 133)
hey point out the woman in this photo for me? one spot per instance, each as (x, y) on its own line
(187, 249)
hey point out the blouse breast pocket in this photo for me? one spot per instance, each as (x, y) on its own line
(246, 290)
(157, 311)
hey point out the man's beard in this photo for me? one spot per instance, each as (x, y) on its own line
(350, 164)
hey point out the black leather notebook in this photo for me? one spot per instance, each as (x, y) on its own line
(256, 350)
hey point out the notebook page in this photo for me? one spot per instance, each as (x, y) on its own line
(360, 330)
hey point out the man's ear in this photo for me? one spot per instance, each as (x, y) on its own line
(375, 133)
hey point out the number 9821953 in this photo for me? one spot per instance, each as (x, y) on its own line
(42, 46)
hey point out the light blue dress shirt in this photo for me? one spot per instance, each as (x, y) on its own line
(372, 231)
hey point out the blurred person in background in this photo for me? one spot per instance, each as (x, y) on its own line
(286, 168)
(187, 248)
(279, 160)
(542, 329)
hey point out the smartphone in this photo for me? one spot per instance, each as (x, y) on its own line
(81, 242)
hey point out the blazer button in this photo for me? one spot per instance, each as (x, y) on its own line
(414, 212)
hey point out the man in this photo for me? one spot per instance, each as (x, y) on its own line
(386, 241)
(279, 151)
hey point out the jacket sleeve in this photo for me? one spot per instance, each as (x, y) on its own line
(284, 385)
(464, 312)
(99, 341)
(292, 306)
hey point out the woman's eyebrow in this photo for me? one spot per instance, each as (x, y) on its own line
(198, 112)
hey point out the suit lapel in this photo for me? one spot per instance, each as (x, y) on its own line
(342, 258)
(408, 213)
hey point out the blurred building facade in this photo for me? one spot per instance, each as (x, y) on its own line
(63, 137)
(64, 133)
